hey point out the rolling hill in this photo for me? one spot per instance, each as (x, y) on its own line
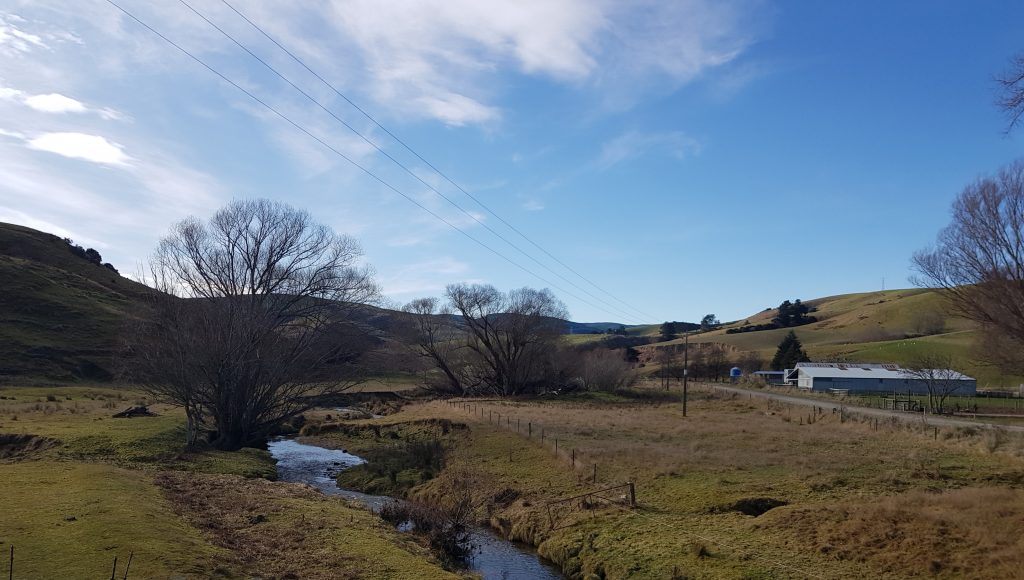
(885, 326)
(60, 316)
(59, 313)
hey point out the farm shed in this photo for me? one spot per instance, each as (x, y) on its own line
(771, 377)
(869, 378)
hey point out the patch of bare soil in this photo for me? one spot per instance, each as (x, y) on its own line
(20, 446)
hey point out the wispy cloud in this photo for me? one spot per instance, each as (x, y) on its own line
(443, 59)
(426, 277)
(533, 205)
(13, 39)
(634, 144)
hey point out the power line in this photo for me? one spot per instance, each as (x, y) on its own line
(431, 165)
(405, 168)
(342, 155)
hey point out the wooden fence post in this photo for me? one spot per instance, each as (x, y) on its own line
(529, 427)
(574, 457)
(10, 573)
(632, 494)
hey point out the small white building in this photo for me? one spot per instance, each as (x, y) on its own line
(868, 378)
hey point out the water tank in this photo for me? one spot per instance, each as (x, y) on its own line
(735, 372)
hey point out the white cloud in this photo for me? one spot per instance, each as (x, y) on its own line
(533, 205)
(442, 59)
(92, 148)
(55, 103)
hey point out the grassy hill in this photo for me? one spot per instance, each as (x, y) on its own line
(59, 313)
(886, 326)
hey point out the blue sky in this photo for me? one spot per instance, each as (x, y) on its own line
(687, 157)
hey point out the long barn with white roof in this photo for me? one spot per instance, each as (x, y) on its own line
(869, 378)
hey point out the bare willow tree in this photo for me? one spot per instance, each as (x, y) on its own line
(936, 372)
(605, 370)
(253, 321)
(1011, 92)
(978, 263)
(439, 339)
(511, 335)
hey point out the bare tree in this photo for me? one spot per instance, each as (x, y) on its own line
(751, 362)
(254, 320)
(698, 362)
(606, 370)
(511, 334)
(937, 374)
(665, 356)
(717, 361)
(978, 261)
(1011, 92)
(439, 339)
(928, 321)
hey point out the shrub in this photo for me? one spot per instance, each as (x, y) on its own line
(447, 526)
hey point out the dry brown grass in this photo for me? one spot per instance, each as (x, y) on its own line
(689, 471)
(964, 533)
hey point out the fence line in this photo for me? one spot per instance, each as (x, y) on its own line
(113, 571)
(533, 431)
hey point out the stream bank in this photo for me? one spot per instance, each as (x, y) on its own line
(494, 558)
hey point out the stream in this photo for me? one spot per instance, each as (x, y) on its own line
(495, 557)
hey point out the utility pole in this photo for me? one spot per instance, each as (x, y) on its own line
(686, 366)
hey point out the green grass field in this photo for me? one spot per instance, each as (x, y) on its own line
(89, 487)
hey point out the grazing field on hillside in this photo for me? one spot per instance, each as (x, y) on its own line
(59, 313)
(887, 326)
(80, 488)
(734, 490)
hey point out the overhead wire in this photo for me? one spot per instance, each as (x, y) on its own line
(405, 168)
(434, 168)
(334, 150)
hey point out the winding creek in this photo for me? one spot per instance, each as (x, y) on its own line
(495, 557)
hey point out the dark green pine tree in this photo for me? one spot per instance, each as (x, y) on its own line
(668, 330)
(790, 352)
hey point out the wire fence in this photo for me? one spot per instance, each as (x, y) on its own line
(113, 570)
